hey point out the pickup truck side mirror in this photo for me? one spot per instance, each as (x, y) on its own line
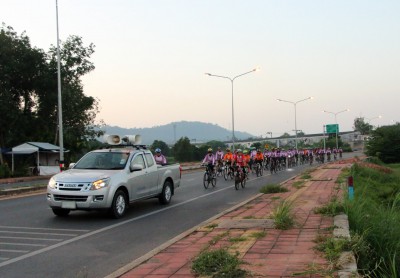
(71, 165)
(135, 167)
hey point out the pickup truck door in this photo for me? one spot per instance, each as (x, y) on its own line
(137, 182)
(152, 174)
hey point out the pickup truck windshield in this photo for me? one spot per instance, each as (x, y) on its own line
(103, 160)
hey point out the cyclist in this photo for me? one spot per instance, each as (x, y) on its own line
(159, 157)
(240, 161)
(248, 160)
(228, 158)
(259, 157)
(219, 155)
(209, 160)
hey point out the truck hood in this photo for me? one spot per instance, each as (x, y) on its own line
(78, 175)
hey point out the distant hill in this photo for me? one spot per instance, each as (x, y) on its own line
(169, 133)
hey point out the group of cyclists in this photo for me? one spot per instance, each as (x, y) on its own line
(274, 159)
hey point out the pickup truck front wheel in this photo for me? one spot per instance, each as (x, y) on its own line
(119, 204)
(166, 194)
(61, 212)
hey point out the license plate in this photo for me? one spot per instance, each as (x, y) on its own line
(68, 205)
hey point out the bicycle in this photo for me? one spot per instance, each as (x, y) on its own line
(259, 169)
(209, 177)
(240, 178)
(273, 165)
(228, 171)
(219, 168)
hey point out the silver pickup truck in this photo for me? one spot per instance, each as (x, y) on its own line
(111, 179)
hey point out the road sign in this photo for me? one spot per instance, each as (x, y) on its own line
(332, 128)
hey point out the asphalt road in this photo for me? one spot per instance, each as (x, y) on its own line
(35, 243)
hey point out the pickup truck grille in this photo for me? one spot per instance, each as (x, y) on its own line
(70, 198)
(73, 186)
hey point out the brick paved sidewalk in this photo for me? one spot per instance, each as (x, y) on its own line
(266, 251)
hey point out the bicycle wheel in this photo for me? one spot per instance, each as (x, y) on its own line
(243, 183)
(258, 170)
(213, 180)
(206, 181)
(261, 171)
(237, 181)
(225, 173)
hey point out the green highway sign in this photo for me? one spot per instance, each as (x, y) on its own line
(332, 128)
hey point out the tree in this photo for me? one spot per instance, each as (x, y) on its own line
(21, 71)
(79, 110)
(28, 92)
(384, 143)
(285, 135)
(361, 126)
(214, 144)
(183, 150)
(162, 146)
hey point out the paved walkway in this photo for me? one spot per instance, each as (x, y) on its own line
(248, 230)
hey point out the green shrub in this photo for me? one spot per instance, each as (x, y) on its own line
(375, 214)
(5, 171)
(283, 215)
(334, 207)
(218, 263)
(273, 188)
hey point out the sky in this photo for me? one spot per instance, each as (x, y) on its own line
(151, 57)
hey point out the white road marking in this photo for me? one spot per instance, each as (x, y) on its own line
(22, 244)
(31, 238)
(47, 229)
(33, 233)
(13, 251)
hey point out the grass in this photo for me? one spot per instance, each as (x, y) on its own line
(258, 235)
(237, 239)
(218, 263)
(217, 238)
(374, 217)
(305, 176)
(273, 188)
(283, 215)
(250, 217)
(298, 184)
(334, 207)
(332, 247)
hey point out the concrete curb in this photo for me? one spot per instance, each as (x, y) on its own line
(347, 263)
(21, 190)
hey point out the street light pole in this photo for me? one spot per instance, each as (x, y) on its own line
(60, 123)
(295, 113)
(337, 127)
(233, 117)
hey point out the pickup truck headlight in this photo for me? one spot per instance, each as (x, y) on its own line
(99, 184)
(52, 183)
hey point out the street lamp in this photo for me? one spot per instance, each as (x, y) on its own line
(370, 119)
(295, 112)
(233, 118)
(60, 121)
(337, 144)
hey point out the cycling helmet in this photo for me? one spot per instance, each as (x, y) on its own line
(228, 150)
(209, 150)
(258, 150)
(245, 151)
(158, 150)
(239, 150)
